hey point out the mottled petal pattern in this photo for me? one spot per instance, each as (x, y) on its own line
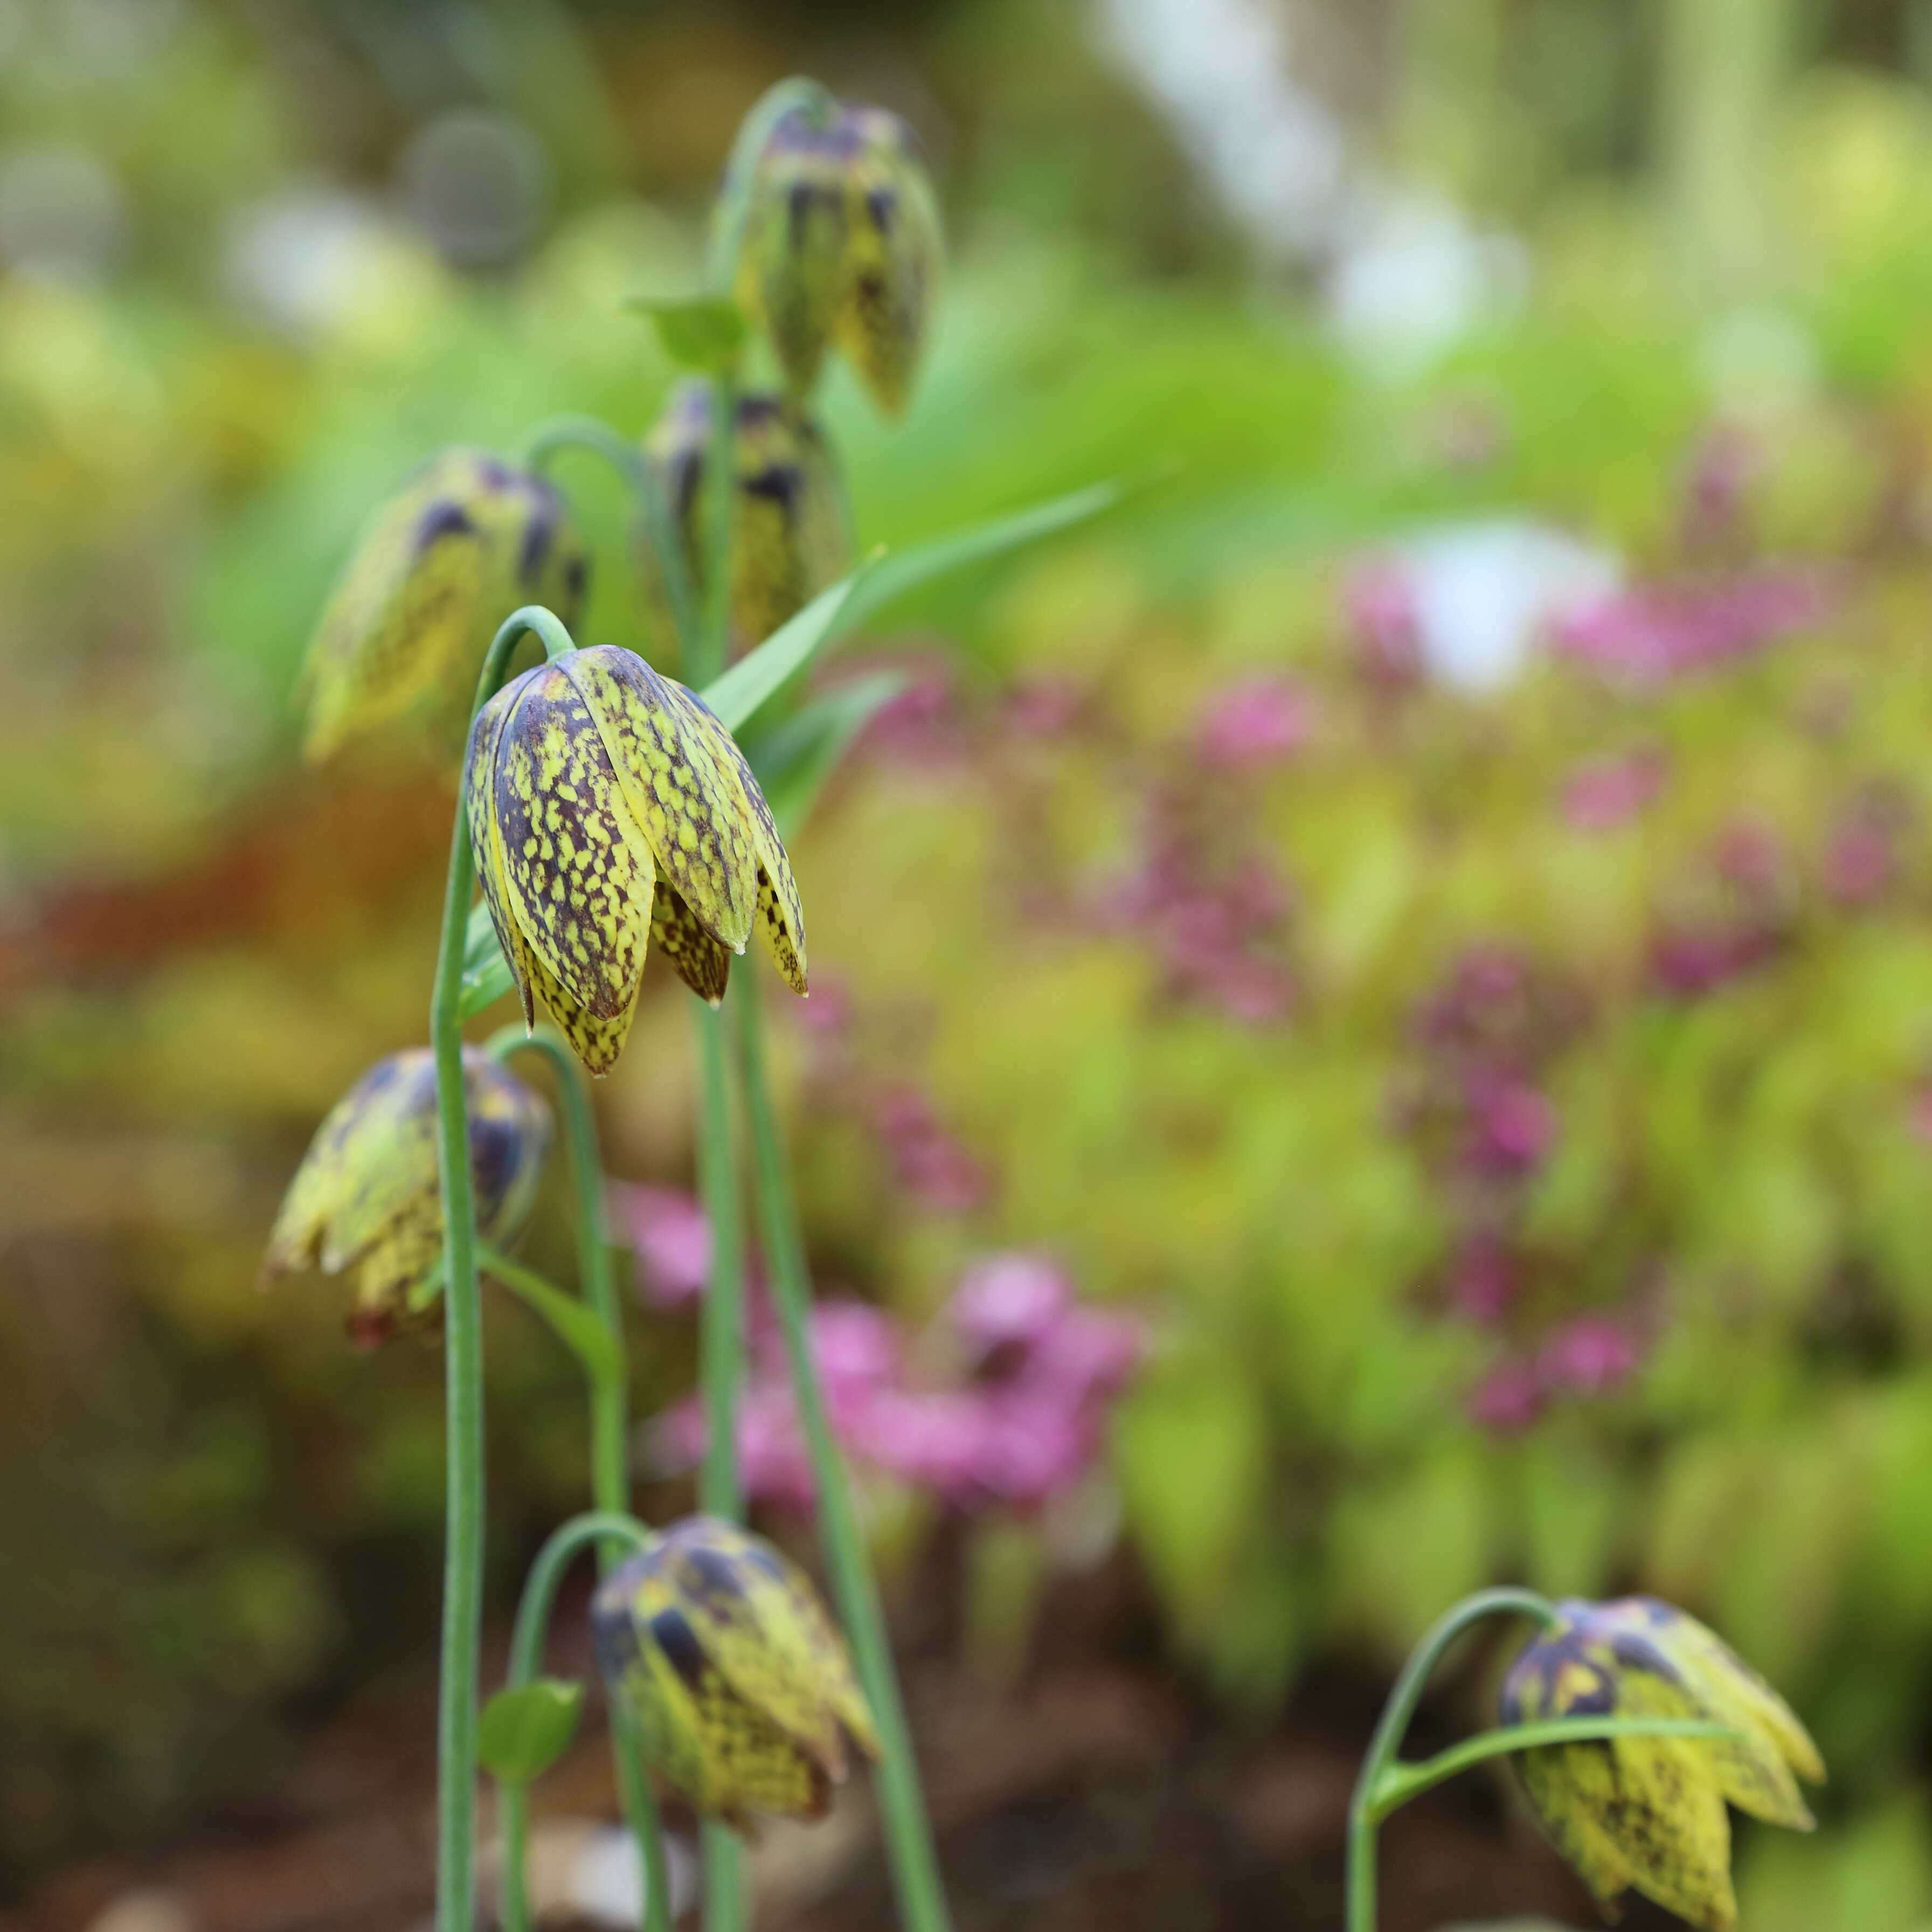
(744, 1694)
(486, 844)
(682, 789)
(781, 916)
(577, 876)
(702, 964)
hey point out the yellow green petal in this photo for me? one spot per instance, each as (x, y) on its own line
(486, 844)
(893, 254)
(578, 878)
(781, 916)
(702, 964)
(681, 787)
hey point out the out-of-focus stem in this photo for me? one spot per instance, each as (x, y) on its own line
(610, 1406)
(463, 1546)
(614, 1532)
(1400, 1708)
(915, 1863)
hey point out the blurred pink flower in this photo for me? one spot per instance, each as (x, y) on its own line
(1482, 1279)
(1860, 855)
(1507, 1399)
(1692, 960)
(1010, 1300)
(928, 1162)
(1723, 464)
(1590, 1354)
(1601, 793)
(1042, 706)
(921, 725)
(1653, 632)
(1252, 721)
(666, 1230)
(1513, 1126)
(1382, 624)
(1921, 1113)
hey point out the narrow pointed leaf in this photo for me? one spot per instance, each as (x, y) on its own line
(736, 696)
(486, 972)
(524, 1731)
(796, 762)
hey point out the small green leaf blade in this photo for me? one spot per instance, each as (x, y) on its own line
(486, 972)
(524, 1731)
(704, 332)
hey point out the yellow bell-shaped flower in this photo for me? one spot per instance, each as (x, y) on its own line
(436, 569)
(366, 1200)
(609, 807)
(843, 242)
(1649, 1812)
(742, 1688)
(790, 528)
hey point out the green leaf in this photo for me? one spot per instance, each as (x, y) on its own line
(486, 972)
(574, 1324)
(736, 696)
(706, 333)
(794, 762)
(523, 1732)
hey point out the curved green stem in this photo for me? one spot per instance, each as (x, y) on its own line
(734, 196)
(1396, 1713)
(915, 1865)
(463, 1555)
(609, 1404)
(645, 484)
(1399, 1782)
(612, 1530)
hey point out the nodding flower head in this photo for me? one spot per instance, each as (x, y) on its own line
(366, 1200)
(608, 808)
(742, 1688)
(1649, 1812)
(435, 569)
(790, 531)
(843, 242)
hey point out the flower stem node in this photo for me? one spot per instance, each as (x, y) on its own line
(609, 807)
(1649, 1812)
(366, 1201)
(742, 1690)
(434, 569)
(843, 242)
(790, 528)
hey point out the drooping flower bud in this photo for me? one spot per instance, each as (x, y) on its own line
(366, 1199)
(434, 570)
(791, 268)
(742, 1688)
(1649, 1812)
(608, 808)
(843, 241)
(790, 530)
(893, 252)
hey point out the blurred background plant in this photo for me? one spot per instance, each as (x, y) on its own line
(1423, 914)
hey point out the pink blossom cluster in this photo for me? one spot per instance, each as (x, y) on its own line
(1214, 910)
(1739, 920)
(1600, 794)
(1382, 625)
(1008, 1413)
(935, 1168)
(1650, 633)
(1587, 1355)
(1253, 721)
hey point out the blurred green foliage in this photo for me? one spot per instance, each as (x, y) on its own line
(233, 1520)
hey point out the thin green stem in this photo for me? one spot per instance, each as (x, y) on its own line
(611, 1530)
(463, 1551)
(645, 482)
(734, 204)
(721, 1368)
(1401, 1782)
(1394, 1722)
(609, 1408)
(915, 1865)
